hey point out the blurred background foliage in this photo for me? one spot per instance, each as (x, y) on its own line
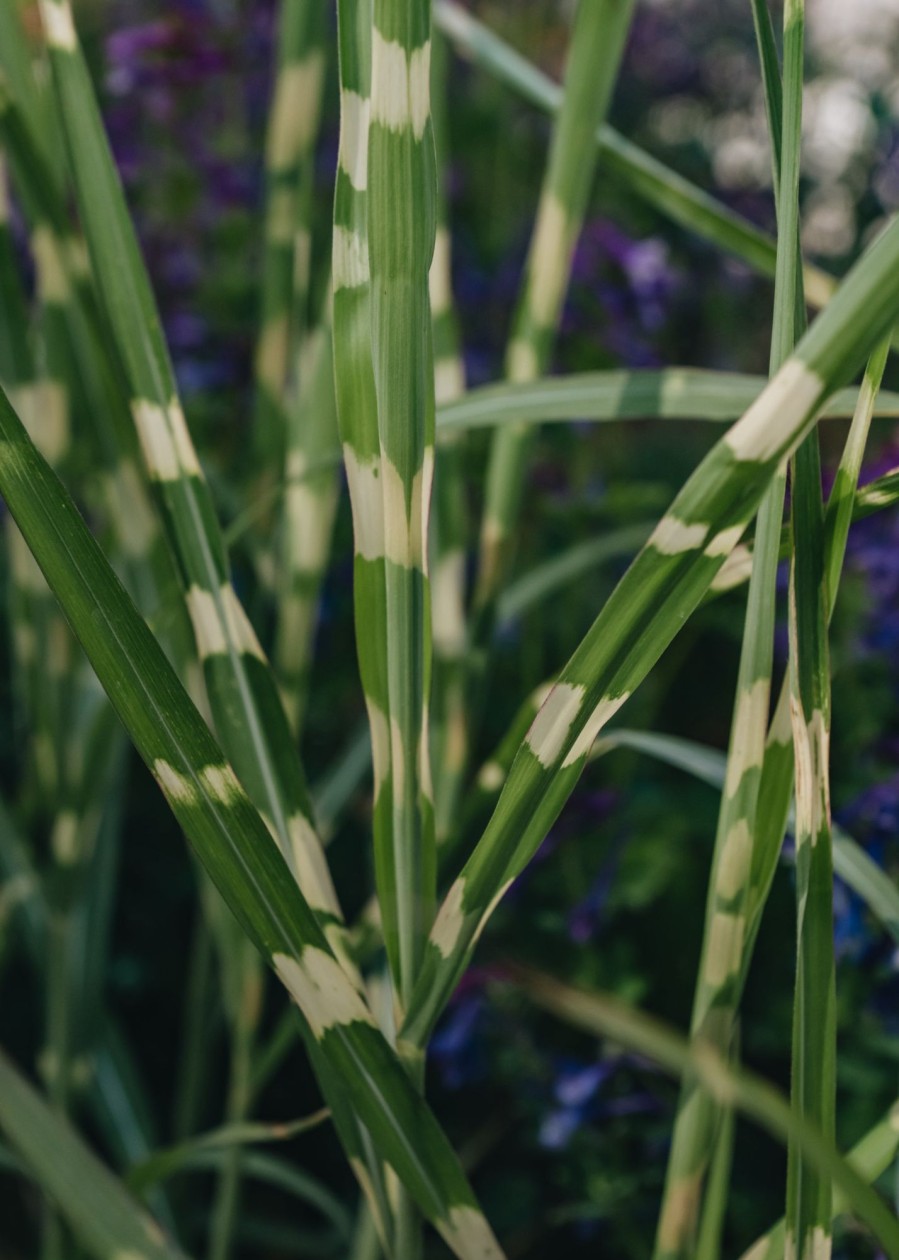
(567, 1144)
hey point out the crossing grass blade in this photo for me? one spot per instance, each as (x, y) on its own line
(595, 51)
(247, 709)
(643, 394)
(668, 192)
(97, 1206)
(661, 588)
(602, 1015)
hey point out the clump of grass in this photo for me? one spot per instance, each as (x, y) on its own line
(374, 379)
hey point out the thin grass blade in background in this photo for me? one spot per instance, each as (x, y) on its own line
(662, 188)
(596, 47)
(99, 1209)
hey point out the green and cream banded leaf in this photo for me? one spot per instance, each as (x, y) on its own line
(401, 196)
(358, 425)
(597, 43)
(450, 524)
(309, 506)
(287, 244)
(662, 587)
(233, 843)
(357, 412)
(243, 695)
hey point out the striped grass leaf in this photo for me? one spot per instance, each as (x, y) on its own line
(871, 1156)
(604, 1016)
(401, 233)
(309, 506)
(245, 703)
(449, 524)
(358, 428)
(813, 1088)
(642, 394)
(290, 138)
(717, 992)
(596, 46)
(662, 587)
(357, 412)
(99, 1209)
(234, 845)
(383, 240)
(668, 192)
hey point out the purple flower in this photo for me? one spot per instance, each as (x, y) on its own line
(575, 1090)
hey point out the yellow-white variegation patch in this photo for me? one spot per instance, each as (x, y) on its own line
(366, 501)
(672, 536)
(180, 789)
(294, 109)
(733, 865)
(352, 154)
(349, 260)
(789, 398)
(548, 260)
(725, 947)
(549, 729)
(400, 85)
(606, 709)
(450, 920)
(319, 986)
